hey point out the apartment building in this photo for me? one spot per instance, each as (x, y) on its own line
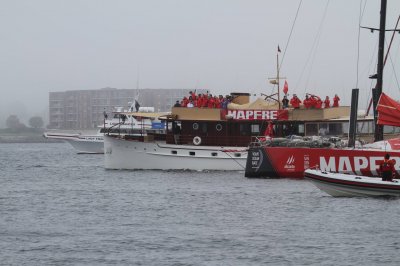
(83, 109)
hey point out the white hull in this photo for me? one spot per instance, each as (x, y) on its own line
(87, 146)
(343, 185)
(82, 143)
(130, 154)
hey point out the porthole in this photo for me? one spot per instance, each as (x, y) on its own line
(218, 127)
(195, 126)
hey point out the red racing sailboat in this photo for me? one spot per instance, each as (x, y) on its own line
(274, 160)
(291, 161)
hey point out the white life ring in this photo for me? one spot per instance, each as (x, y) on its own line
(197, 140)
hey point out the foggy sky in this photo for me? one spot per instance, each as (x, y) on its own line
(219, 45)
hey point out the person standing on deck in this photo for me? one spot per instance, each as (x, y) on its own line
(295, 102)
(285, 102)
(336, 100)
(327, 102)
(386, 168)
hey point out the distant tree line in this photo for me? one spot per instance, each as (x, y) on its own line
(14, 125)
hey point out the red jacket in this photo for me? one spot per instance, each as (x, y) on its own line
(336, 100)
(387, 165)
(327, 103)
(295, 102)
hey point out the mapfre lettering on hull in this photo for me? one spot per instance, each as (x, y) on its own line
(258, 114)
(353, 165)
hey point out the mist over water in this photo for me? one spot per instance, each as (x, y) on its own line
(59, 208)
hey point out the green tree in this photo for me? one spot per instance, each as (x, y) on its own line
(36, 122)
(12, 122)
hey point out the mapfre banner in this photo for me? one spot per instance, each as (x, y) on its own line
(255, 114)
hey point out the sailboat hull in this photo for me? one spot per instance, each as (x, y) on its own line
(277, 162)
(342, 185)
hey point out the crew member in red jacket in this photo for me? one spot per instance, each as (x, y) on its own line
(327, 102)
(317, 101)
(295, 102)
(336, 100)
(386, 168)
(307, 102)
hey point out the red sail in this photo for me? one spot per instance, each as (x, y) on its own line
(388, 111)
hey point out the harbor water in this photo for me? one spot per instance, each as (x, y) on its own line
(60, 208)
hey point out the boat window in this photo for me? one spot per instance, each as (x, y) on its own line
(244, 129)
(174, 152)
(255, 129)
(311, 129)
(301, 129)
(238, 155)
(214, 154)
(336, 129)
(195, 126)
(323, 129)
(218, 127)
(192, 153)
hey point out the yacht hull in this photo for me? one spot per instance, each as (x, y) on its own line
(132, 154)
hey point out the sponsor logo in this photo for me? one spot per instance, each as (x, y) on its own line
(256, 159)
(353, 165)
(257, 114)
(290, 163)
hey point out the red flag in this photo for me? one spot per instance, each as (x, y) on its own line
(285, 88)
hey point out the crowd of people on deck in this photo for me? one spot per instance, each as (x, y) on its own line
(311, 101)
(205, 100)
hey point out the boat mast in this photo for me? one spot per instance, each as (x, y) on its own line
(277, 78)
(378, 88)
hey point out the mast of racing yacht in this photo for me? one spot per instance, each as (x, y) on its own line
(378, 88)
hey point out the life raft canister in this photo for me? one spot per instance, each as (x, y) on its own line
(197, 140)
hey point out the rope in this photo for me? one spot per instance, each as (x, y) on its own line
(313, 47)
(290, 34)
(358, 39)
(244, 168)
(316, 43)
(288, 41)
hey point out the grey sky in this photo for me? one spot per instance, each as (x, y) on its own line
(220, 45)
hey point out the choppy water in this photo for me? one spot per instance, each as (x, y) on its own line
(59, 208)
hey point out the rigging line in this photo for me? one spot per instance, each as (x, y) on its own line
(236, 161)
(397, 51)
(288, 41)
(358, 39)
(306, 64)
(394, 70)
(316, 44)
(290, 34)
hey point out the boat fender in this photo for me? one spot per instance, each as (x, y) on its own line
(197, 140)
